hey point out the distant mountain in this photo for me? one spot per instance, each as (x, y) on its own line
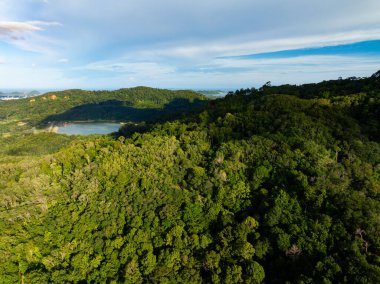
(34, 93)
(18, 95)
(21, 93)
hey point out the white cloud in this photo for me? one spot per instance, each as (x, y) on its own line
(217, 73)
(244, 46)
(15, 29)
(296, 70)
(188, 28)
(235, 73)
(166, 38)
(315, 63)
(143, 69)
(24, 35)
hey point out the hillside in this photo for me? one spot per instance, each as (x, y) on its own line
(37, 111)
(24, 122)
(257, 187)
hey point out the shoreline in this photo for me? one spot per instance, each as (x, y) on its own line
(60, 123)
(54, 127)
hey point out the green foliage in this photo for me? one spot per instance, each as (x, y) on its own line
(256, 188)
(25, 124)
(23, 144)
(71, 105)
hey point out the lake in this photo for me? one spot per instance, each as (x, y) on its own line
(87, 128)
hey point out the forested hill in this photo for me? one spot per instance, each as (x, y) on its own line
(72, 105)
(256, 188)
(24, 122)
(325, 89)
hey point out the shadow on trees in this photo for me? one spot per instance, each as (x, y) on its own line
(113, 110)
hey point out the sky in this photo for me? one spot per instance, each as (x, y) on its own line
(185, 44)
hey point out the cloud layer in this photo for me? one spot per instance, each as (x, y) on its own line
(181, 44)
(16, 30)
(9, 28)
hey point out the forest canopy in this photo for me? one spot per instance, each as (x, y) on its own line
(271, 185)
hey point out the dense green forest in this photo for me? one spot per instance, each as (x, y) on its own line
(273, 185)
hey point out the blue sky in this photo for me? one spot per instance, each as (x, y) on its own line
(96, 44)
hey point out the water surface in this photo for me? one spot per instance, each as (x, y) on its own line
(87, 128)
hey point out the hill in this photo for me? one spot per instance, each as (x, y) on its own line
(22, 121)
(36, 111)
(255, 187)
